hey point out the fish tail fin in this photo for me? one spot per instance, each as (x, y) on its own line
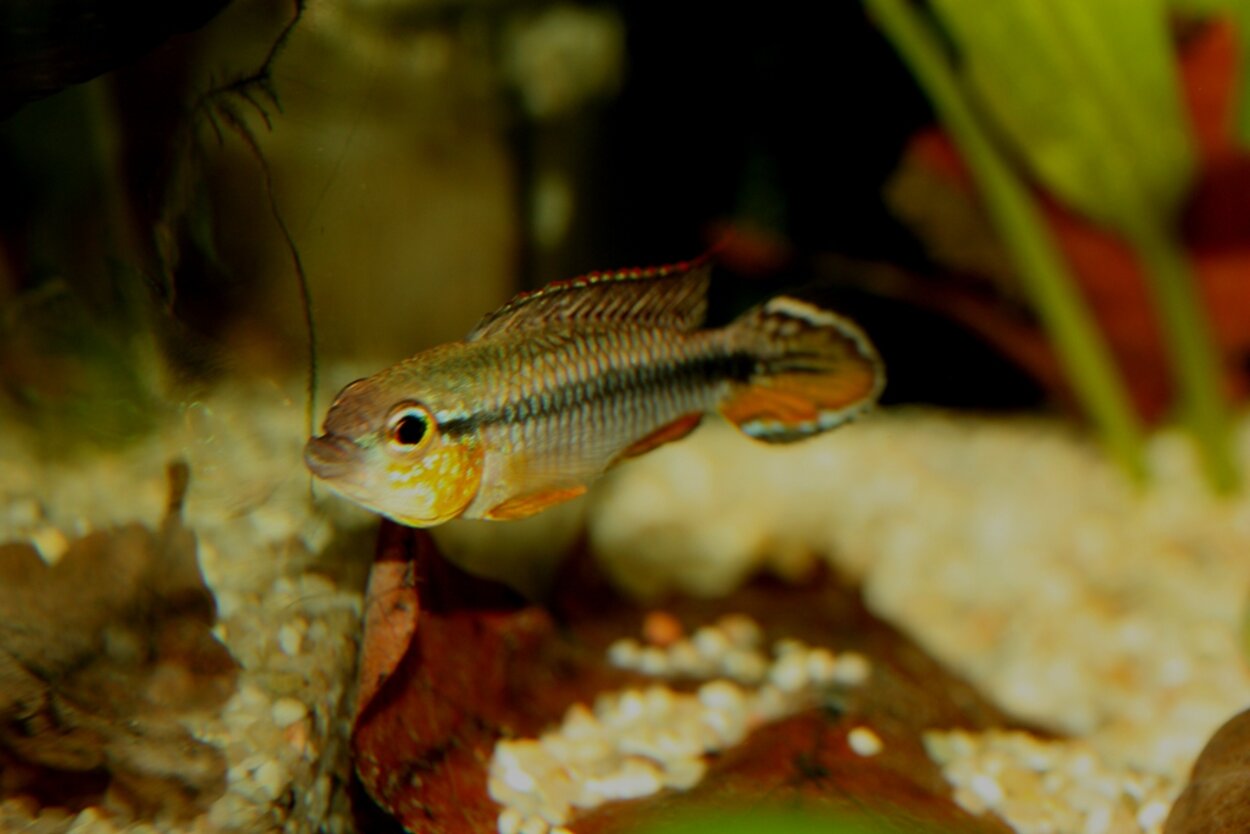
(813, 370)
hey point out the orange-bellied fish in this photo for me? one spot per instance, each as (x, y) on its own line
(561, 383)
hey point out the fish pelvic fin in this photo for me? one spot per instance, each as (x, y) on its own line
(524, 506)
(814, 371)
(673, 431)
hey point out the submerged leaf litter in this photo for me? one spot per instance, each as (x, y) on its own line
(291, 628)
(1009, 550)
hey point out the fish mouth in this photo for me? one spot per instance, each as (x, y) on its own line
(331, 456)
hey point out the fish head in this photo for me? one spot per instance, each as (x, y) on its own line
(390, 454)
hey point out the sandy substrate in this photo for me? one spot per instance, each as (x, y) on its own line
(292, 628)
(1009, 549)
(1013, 553)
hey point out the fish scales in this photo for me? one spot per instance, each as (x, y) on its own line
(612, 385)
(554, 388)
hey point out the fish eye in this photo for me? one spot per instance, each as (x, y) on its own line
(408, 427)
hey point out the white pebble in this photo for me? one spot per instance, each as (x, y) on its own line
(534, 825)
(728, 725)
(290, 640)
(635, 778)
(509, 821)
(711, 643)
(316, 534)
(50, 542)
(576, 751)
(89, 819)
(741, 630)
(851, 669)
(580, 723)
(272, 523)
(789, 672)
(513, 765)
(684, 659)
(1152, 814)
(271, 778)
(684, 774)
(788, 645)
(821, 666)
(747, 667)
(987, 789)
(721, 694)
(25, 512)
(286, 711)
(628, 708)
(769, 704)
(625, 653)
(1098, 821)
(659, 701)
(653, 661)
(864, 742)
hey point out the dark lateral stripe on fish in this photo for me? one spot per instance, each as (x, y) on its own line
(636, 381)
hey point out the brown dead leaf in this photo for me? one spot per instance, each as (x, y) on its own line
(1217, 798)
(99, 656)
(472, 664)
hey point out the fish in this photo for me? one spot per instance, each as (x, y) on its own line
(563, 383)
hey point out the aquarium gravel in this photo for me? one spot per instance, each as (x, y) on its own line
(1013, 552)
(638, 742)
(1009, 549)
(292, 629)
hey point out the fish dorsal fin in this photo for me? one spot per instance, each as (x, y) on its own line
(666, 296)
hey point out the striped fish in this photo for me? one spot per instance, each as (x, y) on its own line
(562, 383)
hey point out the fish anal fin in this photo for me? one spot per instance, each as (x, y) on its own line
(767, 402)
(672, 296)
(851, 384)
(667, 433)
(523, 506)
(792, 406)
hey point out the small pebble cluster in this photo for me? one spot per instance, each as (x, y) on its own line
(1011, 550)
(638, 742)
(293, 631)
(1042, 787)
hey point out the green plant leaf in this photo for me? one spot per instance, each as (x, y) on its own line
(1012, 209)
(777, 820)
(1086, 95)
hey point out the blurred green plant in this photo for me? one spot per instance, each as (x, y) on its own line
(1084, 97)
(78, 359)
(789, 821)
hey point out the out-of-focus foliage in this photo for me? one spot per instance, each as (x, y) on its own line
(777, 820)
(1083, 351)
(1085, 94)
(1239, 13)
(1083, 100)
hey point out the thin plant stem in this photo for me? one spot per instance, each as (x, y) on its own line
(1195, 362)
(1241, 72)
(1043, 272)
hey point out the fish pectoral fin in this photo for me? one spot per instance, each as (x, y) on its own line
(523, 506)
(667, 433)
